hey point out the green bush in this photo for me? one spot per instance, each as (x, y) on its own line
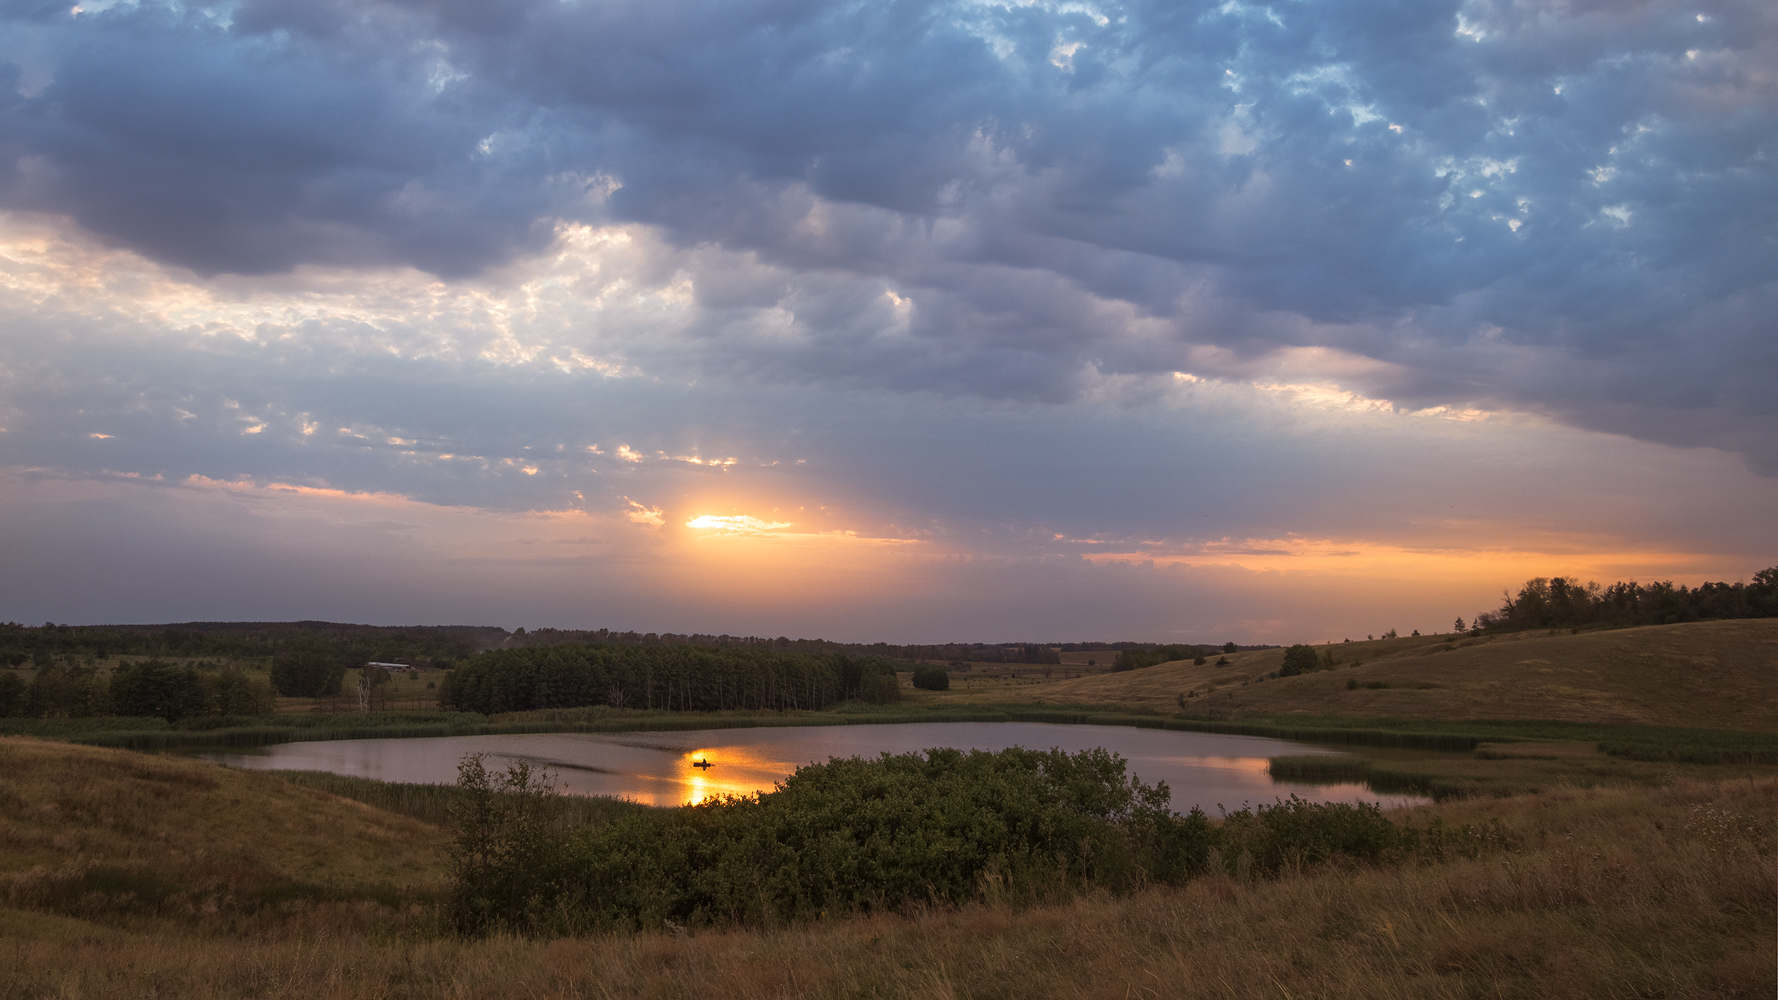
(157, 688)
(1136, 658)
(932, 678)
(859, 835)
(1292, 834)
(1299, 659)
(12, 694)
(303, 674)
(880, 689)
(506, 862)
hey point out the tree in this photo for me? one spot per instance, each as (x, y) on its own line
(1230, 647)
(232, 692)
(158, 689)
(1298, 659)
(505, 860)
(1459, 624)
(932, 678)
(12, 694)
(880, 689)
(303, 674)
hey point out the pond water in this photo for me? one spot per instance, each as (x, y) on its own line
(660, 768)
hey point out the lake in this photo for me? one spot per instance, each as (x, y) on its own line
(658, 768)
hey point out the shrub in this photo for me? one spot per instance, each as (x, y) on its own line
(506, 863)
(303, 674)
(880, 689)
(943, 826)
(154, 688)
(1298, 659)
(1135, 657)
(231, 692)
(1291, 834)
(12, 694)
(932, 678)
(938, 827)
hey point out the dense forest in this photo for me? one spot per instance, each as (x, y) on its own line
(689, 678)
(972, 652)
(148, 688)
(421, 645)
(1564, 602)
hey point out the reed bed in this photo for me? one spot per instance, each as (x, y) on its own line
(440, 804)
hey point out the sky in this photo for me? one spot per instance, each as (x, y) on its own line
(882, 320)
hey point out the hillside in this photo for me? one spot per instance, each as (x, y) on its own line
(1711, 675)
(138, 840)
(125, 874)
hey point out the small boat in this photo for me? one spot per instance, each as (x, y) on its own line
(701, 763)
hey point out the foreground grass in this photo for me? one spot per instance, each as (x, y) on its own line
(1597, 892)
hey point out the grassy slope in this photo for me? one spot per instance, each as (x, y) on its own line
(1597, 892)
(1707, 675)
(137, 840)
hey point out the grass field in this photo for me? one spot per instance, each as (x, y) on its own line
(1707, 675)
(127, 874)
(1641, 871)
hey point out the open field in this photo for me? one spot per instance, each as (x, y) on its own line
(1712, 675)
(1640, 706)
(134, 875)
(139, 841)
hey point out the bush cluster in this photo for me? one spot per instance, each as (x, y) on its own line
(931, 678)
(856, 835)
(307, 674)
(1137, 657)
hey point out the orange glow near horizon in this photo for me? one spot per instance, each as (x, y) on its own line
(1585, 557)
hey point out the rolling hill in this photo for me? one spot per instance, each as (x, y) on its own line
(1710, 675)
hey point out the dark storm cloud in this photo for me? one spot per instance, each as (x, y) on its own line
(1565, 208)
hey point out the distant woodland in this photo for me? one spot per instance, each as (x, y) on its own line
(689, 678)
(197, 669)
(970, 652)
(422, 645)
(1564, 602)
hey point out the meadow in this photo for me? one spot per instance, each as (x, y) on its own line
(131, 874)
(1609, 817)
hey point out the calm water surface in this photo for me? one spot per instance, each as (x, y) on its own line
(1202, 769)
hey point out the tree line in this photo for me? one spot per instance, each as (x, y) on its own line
(151, 688)
(1564, 602)
(677, 678)
(420, 645)
(976, 652)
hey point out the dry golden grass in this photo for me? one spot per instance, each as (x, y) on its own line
(145, 839)
(1712, 675)
(1614, 892)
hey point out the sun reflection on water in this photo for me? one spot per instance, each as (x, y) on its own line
(732, 770)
